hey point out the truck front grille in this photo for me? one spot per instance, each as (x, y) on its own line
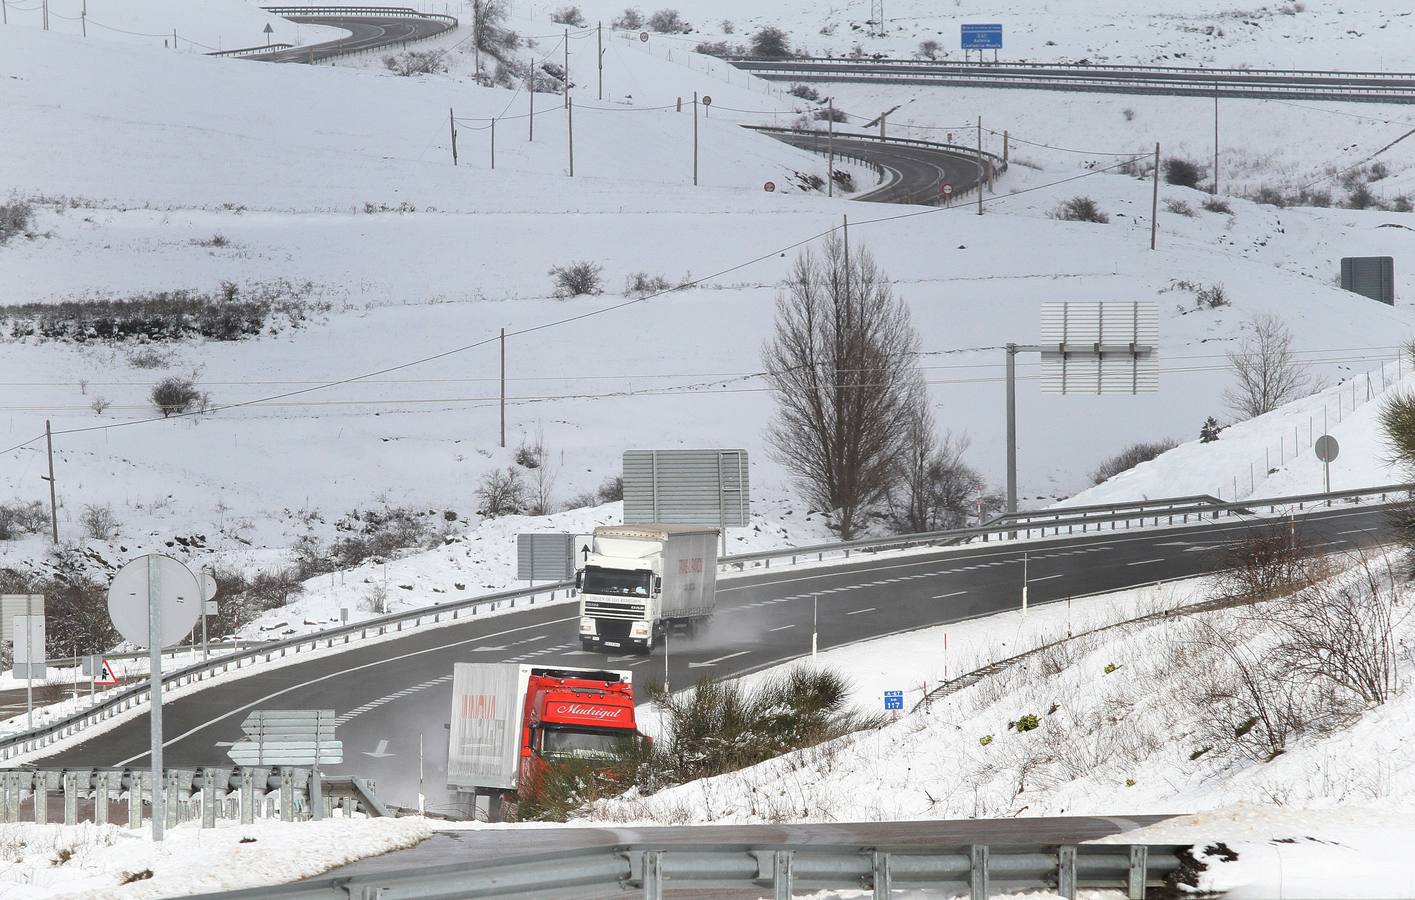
(598, 610)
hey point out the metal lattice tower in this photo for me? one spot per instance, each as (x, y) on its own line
(877, 17)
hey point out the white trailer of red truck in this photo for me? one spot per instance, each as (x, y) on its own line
(638, 580)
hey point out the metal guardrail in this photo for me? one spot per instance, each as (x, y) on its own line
(1035, 517)
(648, 869)
(333, 49)
(1337, 75)
(120, 700)
(204, 794)
(1338, 86)
(251, 51)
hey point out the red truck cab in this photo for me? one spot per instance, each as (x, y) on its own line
(572, 715)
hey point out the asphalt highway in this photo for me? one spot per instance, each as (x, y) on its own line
(393, 697)
(365, 33)
(917, 174)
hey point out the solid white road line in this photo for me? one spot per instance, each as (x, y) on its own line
(1045, 577)
(1144, 562)
(781, 628)
(856, 612)
(945, 596)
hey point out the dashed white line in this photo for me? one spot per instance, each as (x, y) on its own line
(781, 628)
(1143, 562)
(945, 596)
(856, 612)
(1046, 577)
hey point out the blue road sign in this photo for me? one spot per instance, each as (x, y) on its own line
(982, 37)
(893, 700)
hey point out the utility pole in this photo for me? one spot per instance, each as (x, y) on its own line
(452, 126)
(980, 167)
(695, 138)
(503, 388)
(1011, 426)
(830, 154)
(1004, 148)
(881, 126)
(599, 39)
(567, 68)
(53, 502)
(570, 122)
(1155, 200)
(4, 12)
(493, 143)
(1214, 192)
(154, 690)
(46, 20)
(83, 18)
(531, 89)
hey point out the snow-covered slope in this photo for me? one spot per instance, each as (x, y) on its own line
(196, 27)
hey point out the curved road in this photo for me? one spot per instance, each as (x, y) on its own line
(917, 172)
(365, 33)
(392, 695)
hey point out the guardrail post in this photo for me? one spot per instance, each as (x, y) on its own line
(1139, 864)
(653, 874)
(882, 877)
(100, 798)
(208, 801)
(1066, 872)
(287, 796)
(173, 796)
(71, 798)
(782, 877)
(247, 798)
(41, 799)
(136, 782)
(978, 871)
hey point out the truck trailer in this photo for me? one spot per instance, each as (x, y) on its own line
(510, 722)
(640, 579)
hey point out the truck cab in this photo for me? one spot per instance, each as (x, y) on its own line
(572, 715)
(639, 579)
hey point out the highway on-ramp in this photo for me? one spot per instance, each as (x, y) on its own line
(366, 32)
(914, 173)
(393, 696)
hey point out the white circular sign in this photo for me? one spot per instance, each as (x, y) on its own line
(208, 582)
(947, 188)
(1327, 448)
(769, 186)
(707, 101)
(176, 591)
(644, 36)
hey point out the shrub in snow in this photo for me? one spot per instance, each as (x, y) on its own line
(928, 49)
(416, 62)
(1182, 172)
(99, 522)
(771, 42)
(568, 15)
(1215, 205)
(632, 20)
(1028, 722)
(612, 489)
(1211, 297)
(805, 92)
(985, 740)
(581, 277)
(720, 49)
(829, 114)
(15, 218)
(1269, 196)
(843, 180)
(1179, 207)
(667, 21)
(20, 518)
(501, 493)
(1361, 198)
(175, 394)
(99, 405)
(642, 284)
(1130, 457)
(1080, 209)
(726, 27)
(1209, 431)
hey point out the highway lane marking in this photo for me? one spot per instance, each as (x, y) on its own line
(781, 628)
(856, 612)
(946, 596)
(1144, 562)
(1356, 531)
(341, 674)
(1046, 577)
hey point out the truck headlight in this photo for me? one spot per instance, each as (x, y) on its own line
(639, 630)
(587, 625)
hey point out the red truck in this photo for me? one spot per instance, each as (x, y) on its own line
(509, 722)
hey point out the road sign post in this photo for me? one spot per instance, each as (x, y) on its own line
(1327, 450)
(154, 685)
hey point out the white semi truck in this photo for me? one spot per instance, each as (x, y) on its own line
(640, 579)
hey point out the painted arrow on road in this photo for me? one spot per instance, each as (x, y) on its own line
(713, 662)
(380, 752)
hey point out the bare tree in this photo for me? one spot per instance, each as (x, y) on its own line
(1266, 370)
(843, 365)
(939, 489)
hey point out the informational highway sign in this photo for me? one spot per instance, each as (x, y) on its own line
(982, 37)
(1100, 347)
(545, 557)
(893, 700)
(686, 487)
(14, 605)
(288, 737)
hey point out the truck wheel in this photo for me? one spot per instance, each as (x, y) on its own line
(588, 645)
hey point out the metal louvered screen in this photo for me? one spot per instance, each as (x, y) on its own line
(545, 557)
(686, 487)
(1095, 347)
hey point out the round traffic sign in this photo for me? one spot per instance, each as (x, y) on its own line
(176, 591)
(769, 186)
(946, 189)
(707, 101)
(1327, 448)
(644, 36)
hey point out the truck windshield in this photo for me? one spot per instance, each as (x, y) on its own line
(582, 744)
(614, 581)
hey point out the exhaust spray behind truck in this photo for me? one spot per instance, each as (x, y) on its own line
(510, 722)
(640, 579)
